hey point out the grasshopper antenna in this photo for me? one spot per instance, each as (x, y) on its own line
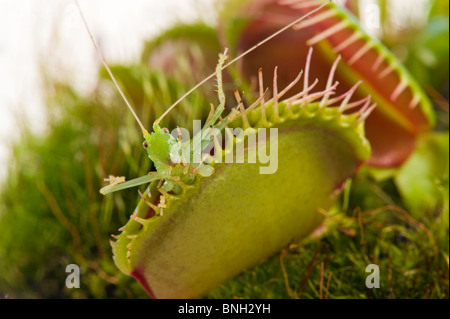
(241, 56)
(144, 131)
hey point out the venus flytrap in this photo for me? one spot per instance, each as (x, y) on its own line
(207, 216)
(216, 226)
(404, 112)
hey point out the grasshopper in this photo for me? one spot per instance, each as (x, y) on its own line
(164, 150)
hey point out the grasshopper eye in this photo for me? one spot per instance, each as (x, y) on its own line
(165, 130)
(145, 145)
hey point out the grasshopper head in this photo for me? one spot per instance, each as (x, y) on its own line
(158, 145)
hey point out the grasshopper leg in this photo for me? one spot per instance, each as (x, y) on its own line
(162, 199)
(204, 157)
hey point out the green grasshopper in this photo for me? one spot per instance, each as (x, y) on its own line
(162, 148)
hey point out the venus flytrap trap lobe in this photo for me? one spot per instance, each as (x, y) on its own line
(197, 226)
(404, 111)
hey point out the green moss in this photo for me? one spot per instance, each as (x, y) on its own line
(409, 266)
